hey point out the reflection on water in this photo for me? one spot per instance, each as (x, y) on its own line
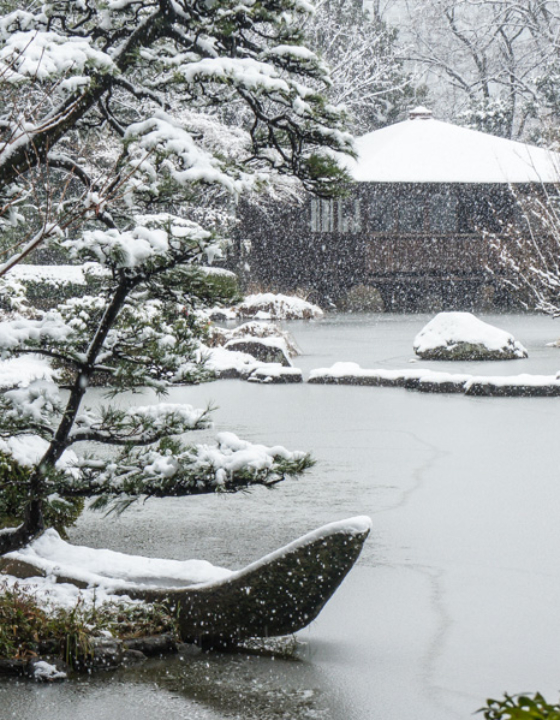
(243, 686)
(205, 687)
(456, 595)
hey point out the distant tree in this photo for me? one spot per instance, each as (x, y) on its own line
(114, 149)
(489, 61)
(365, 62)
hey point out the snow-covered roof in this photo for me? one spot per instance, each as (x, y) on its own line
(425, 150)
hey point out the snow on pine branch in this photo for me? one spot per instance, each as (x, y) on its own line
(30, 409)
(161, 145)
(138, 425)
(20, 333)
(169, 469)
(36, 55)
(158, 239)
(276, 78)
(148, 342)
(245, 73)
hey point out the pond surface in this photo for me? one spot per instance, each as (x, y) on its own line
(456, 597)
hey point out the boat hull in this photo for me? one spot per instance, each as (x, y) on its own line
(270, 598)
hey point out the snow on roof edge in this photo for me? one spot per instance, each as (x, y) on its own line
(432, 151)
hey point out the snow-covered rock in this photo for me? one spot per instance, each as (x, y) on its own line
(266, 350)
(349, 373)
(47, 671)
(268, 306)
(255, 329)
(462, 336)
(228, 363)
(524, 385)
(219, 314)
(50, 556)
(212, 603)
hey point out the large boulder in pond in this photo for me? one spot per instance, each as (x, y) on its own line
(462, 336)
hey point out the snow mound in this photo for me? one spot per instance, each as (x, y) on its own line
(462, 336)
(46, 672)
(268, 306)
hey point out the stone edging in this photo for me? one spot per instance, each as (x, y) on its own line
(440, 382)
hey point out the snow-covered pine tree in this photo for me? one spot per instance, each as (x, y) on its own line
(114, 149)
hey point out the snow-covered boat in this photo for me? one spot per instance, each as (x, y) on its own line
(277, 595)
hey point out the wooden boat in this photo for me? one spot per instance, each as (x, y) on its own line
(277, 595)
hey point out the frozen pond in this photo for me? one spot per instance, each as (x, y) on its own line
(456, 597)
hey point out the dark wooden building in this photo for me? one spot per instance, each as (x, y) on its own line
(414, 226)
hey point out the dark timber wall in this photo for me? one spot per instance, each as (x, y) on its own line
(414, 243)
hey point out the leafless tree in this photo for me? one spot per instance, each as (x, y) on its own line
(489, 60)
(527, 251)
(365, 61)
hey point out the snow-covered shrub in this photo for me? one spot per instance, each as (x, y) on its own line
(363, 298)
(31, 624)
(45, 286)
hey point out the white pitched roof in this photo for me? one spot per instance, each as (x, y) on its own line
(424, 150)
